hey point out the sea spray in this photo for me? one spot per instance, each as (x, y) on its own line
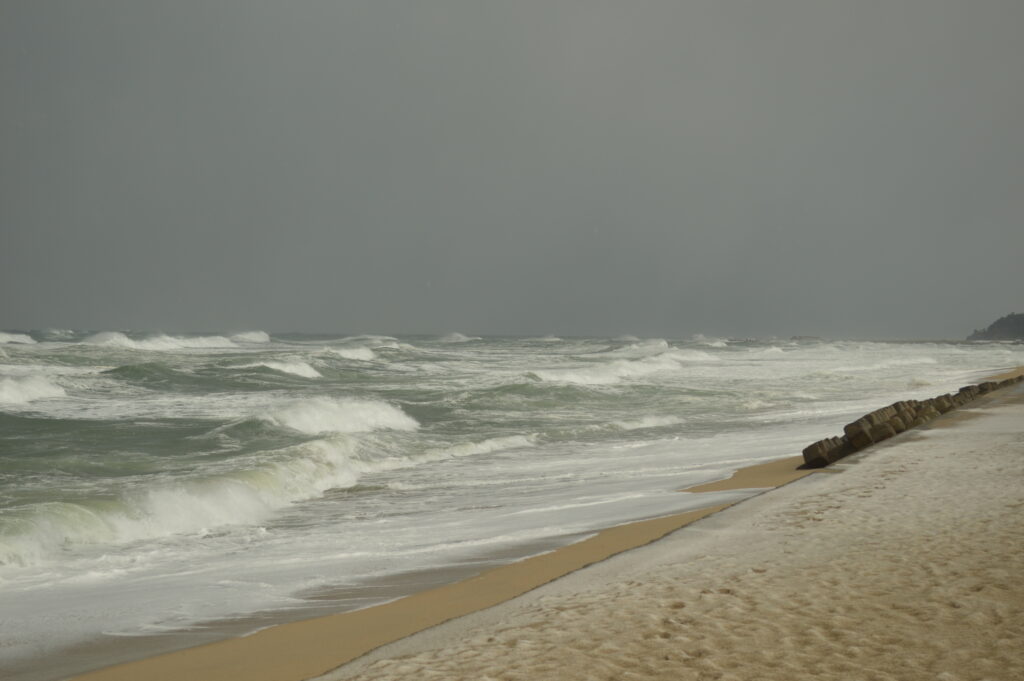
(322, 415)
(24, 389)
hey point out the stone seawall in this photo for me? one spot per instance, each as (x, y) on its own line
(886, 422)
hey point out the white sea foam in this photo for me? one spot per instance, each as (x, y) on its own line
(116, 339)
(361, 354)
(323, 415)
(647, 422)
(251, 337)
(24, 389)
(618, 370)
(709, 341)
(647, 348)
(494, 444)
(457, 338)
(376, 343)
(681, 355)
(295, 367)
(192, 506)
(16, 338)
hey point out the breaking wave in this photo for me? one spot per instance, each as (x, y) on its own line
(647, 422)
(251, 337)
(458, 338)
(624, 369)
(357, 353)
(24, 389)
(116, 339)
(41, 531)
(296, 368)
(16, 338)
(322, 415)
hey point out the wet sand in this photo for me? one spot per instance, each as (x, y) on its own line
(669, 600)
(904, 565)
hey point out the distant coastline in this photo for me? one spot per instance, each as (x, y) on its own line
(1010, 327)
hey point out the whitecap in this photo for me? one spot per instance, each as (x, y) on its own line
(24, 389)
(647, 422)
(251, 337)
(362, 354)
(456, 337)
(322, 415)
(647, 348)
(160, 342)
(296, 368)
(494, 444)
(188, 506)
(16, 338)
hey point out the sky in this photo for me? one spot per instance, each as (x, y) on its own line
(744, 168)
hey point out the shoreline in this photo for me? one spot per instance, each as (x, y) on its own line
(904, 564)
(310, 647)
(322, 644)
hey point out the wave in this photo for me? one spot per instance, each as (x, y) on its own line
(16, 338)
(58, 334)
(647, 422)
(885, 364)
(43, 531)
(160, 342)
(361, 354)
(710, 342)
(251, 337)
(647, 348)
(24, 389)
(372, 342)
(494, 444)
(456, 337)
(296, 368)
(323, 415)
(622, 369)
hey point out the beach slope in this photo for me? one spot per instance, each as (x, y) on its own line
(904, 564)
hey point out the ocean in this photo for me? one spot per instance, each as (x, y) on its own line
(162, 490)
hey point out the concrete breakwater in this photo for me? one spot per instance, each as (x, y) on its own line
(886, 422)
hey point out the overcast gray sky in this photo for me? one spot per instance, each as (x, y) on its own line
(750, 168)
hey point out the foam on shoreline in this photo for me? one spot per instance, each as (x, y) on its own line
(304, 649)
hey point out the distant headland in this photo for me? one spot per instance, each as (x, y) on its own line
(1010, 327)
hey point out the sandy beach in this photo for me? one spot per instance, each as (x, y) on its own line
(897, 563)
(904, 564)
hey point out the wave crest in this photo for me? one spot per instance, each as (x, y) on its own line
(251, 337)
(619, 370)
(36, 533)
(16, 338)
(322, 415)
(162, 342)
(295, 368)
(361, 354)
(457, 337)
(24, 389)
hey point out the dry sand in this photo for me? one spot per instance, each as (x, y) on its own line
(901, 567)
(905, 565)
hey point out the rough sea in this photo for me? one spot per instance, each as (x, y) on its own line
(155, 484)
